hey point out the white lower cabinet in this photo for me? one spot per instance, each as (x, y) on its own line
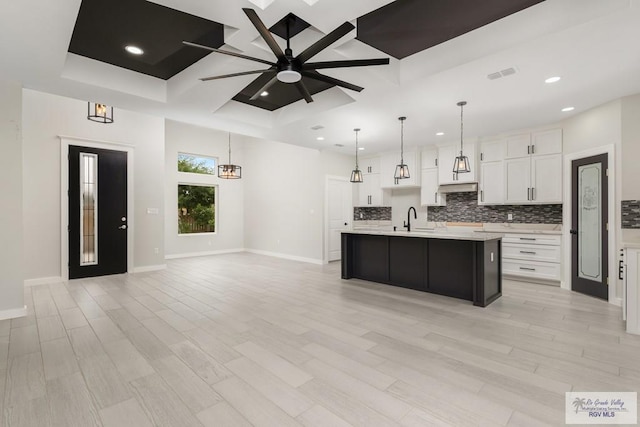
(535, 256)
(429, 195)
(632, 290)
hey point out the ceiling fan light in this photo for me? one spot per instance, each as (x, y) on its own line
(289, 76)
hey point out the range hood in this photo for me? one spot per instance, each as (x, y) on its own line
(459, 188)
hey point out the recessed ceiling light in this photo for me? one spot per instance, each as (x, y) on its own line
(135, 50)
(567, 109)
(553, 79)
(320, 138)
(265, 93)
(360, 148)
(439, 133)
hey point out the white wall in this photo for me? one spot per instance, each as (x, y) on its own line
(284, 197)
(11, 263)
(185, 138)
(47, 116)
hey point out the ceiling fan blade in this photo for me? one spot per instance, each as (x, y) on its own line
(243, 73)
(331, 80)
(325, 42)
(347, 63)
(264, 32)
(265, 87)
(304, 91)
(226, 52)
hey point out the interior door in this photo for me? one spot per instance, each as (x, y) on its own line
(97, 212)
(589, 234)
(340, 211)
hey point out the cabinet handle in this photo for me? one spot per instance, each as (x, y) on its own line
(533, 149)
(528, 252)
(436, 162)
(533, 193)
(527, 269)
(482, 195)
(435, 197)
(528, 149)
(528, 193)
(528, 238)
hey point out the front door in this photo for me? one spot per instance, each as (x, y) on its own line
(97, 212)
(589, 226)
(340, 212)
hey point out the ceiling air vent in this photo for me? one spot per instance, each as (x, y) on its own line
(503, 73)
(317, 127)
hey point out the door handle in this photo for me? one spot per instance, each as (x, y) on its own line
(123, 227)
(573, 231)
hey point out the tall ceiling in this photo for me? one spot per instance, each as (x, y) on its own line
(591, 44)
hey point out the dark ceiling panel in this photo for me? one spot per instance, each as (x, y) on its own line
(296, 26)
(104, 28)
(280, 94)
(405, 27)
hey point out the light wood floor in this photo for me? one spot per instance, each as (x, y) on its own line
(242, 339)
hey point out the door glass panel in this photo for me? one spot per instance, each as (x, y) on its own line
(590, 222)
(88, 209)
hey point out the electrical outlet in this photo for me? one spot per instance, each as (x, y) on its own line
(509, 217)
(156, 251)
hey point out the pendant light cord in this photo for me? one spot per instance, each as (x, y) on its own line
(356, 130)
(461, 104)
(229, 147)
(402, 119)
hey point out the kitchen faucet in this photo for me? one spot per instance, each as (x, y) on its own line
(407, 224)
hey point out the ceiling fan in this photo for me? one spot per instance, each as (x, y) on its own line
(290, 69)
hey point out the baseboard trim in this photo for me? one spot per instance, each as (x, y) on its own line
(286, 256)
(148, 268)
(616, 301)
(206, 253)
(42, 281)
(13, 313)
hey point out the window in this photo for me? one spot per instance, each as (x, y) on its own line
(196, 209)
(196, 164)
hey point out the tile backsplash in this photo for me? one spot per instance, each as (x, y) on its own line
(463, 207)
(382, 213)
(630, 214)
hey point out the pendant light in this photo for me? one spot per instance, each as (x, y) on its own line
(461, 163)
(100, 113)
(402, 170)
(229, 171)
(356, 174)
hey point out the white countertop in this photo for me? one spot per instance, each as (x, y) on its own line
(450, 235)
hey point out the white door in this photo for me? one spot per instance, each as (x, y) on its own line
(340, 212)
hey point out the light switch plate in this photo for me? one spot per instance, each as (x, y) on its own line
(153, 211)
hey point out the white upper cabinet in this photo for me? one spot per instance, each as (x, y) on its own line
(370, 165)
(518, 181)
(493, 151)
(429, 195)
(446, 157)
(388, 163)
(546, 142)
(546, 178)
(491, 183)
(430, 158)
(518, 146)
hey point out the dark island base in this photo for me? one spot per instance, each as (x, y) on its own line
(469, 270)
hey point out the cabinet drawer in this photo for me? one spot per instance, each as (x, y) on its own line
(533, 269)
(546, 253)
(533, 239)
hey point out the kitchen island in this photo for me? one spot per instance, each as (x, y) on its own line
(463, 265)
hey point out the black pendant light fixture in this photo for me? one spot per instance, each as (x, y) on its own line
(100, 113)
(229, 171)
(402, 170)
(461, 163)
(356, 174)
